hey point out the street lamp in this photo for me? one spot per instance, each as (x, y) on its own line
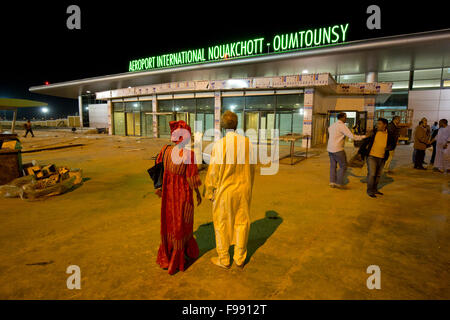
(45, 110)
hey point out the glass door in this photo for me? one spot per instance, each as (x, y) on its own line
(130, 123)
(133, 123)
(267, 123)
(163, 124)
(137, 123)
(252, 125)
(147, 124)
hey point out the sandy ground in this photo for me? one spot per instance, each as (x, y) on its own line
(318, 248)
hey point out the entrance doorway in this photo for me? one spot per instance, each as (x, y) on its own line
(257, 121)
(133, 123)
(356, 120)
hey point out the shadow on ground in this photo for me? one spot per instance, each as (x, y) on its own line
(260, 231)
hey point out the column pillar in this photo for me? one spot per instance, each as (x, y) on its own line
(371, 77)
(307, 115)
(110, 118)
(80, 110)
(13, 124)
(154, 116)
(369, 106)
(217, 114)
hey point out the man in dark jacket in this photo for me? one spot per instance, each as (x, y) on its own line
(394, 133)
(375, 149)
(421, 142)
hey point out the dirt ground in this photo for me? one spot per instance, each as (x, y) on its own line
(318, 246)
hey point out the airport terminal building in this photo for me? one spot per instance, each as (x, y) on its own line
(294, 82)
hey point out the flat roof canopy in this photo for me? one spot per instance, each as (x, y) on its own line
(13, 104)
(407, 52)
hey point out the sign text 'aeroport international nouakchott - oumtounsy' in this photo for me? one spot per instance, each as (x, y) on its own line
(311, 38)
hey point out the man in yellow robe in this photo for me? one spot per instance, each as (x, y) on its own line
(229, 184)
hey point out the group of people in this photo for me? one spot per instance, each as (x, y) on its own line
(378, 148)
(436, 137)
(228, 184)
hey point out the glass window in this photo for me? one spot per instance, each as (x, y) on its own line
(260, 102)
(446, 77)
(205, 113)
(119, 123)
(399, 79)
(428, 78)
(147, 125)
(352, 78)
(184, 105)
(396, 99)
(118, 106)
(132, 106)
(297, 121)
(432, 83)
(165, 105)
(289, 101)
(205, 105)
(147, 106)
(400, 85)
(393, 76)
(427, 74)
(235, 104)
(232, 104)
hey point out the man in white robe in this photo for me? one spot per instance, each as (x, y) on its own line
(229, 183)
(441, 162)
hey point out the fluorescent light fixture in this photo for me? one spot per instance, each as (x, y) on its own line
(135, 105)
(88, 91)
(301, 111)
(44, 109)
(305, 71)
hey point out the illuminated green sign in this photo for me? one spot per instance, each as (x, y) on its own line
(305, 39)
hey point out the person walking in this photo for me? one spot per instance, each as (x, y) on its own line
(177, 205)
(421, 142)
(27, 126)
(336, 140)
(229, 185)
(375, 149)
(394, 133)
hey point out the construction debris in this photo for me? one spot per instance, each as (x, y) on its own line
(41, 182)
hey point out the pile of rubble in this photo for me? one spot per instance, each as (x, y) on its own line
(39, 182)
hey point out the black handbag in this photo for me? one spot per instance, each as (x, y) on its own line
(156, 172)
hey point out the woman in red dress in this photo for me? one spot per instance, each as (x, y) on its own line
(177, 205)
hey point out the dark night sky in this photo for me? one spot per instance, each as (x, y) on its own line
(37, 46)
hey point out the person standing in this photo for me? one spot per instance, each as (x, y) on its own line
(27, 126)
(434, 132)
(376, 150)
(177, 205)
(394, 133)
(336, 140)
(421, 142)
(442, 140)
(434, 127)
(229, 184)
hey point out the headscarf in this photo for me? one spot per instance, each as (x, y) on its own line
(180, 132)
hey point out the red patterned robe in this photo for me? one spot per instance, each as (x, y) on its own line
(177, 210)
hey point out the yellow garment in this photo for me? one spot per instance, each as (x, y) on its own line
(229, 183)
(379, 145)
